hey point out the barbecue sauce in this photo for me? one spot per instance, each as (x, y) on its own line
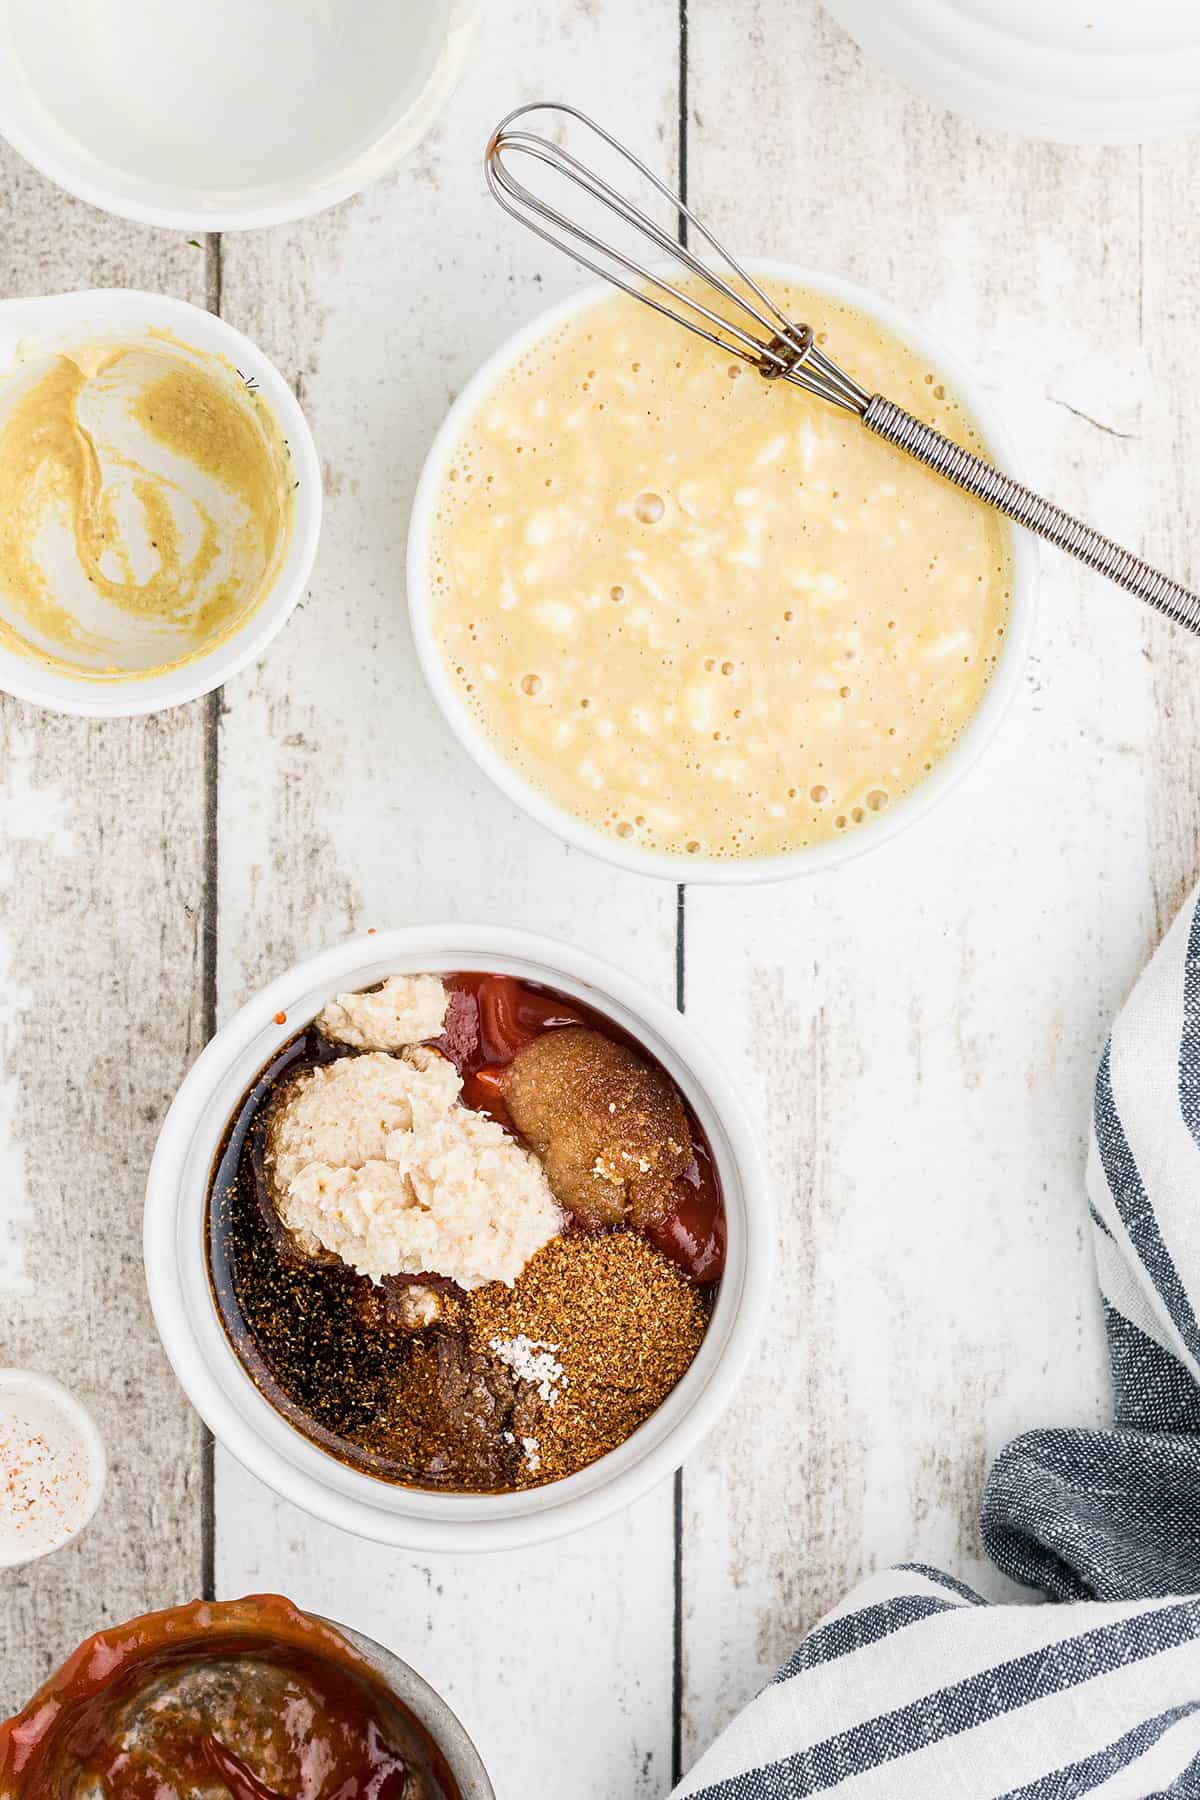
(152, 1710)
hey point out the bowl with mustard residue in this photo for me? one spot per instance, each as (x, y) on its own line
(160, 501)
(702, 625)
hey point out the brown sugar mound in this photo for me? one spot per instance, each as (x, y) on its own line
(610, 1129)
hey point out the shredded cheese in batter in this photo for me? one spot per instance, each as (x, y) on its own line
(703, 613)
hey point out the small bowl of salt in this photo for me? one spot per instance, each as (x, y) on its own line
(52, 1467)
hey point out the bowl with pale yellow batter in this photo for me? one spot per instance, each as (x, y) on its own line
(160, 501)
(706, 626)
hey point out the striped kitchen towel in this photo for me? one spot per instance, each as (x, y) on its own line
(918, 1689)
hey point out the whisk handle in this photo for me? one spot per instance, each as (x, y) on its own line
(887, 420)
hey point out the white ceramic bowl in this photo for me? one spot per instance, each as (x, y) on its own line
(224, 1394)
(227, 114)
(682, 868)
(75, 1470)
(65, 321)
(1081, 71)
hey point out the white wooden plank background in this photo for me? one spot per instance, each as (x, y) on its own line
(102, 911)
(917, 1033)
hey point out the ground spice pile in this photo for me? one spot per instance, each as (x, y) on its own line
(619, 1320)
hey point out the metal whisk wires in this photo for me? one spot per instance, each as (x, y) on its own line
(751, 326)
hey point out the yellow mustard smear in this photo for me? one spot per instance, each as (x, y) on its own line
(214, 457)
(704, 613)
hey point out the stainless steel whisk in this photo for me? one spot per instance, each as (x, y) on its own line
(779, 348)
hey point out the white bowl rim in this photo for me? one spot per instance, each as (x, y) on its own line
(400, 140)
(964, 753)
(33, 1381)
(1004, 79)
(53, 689)
(245, 1422)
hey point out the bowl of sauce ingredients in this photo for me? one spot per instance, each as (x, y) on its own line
(238, 1700)
(705, 625)
(458, 1238)
(160, 501)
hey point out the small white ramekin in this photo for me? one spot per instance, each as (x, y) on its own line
(946, 774)
(224, 1394)
(77, 1449)
(60, 321)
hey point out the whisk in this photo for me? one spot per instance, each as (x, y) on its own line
(752, 327)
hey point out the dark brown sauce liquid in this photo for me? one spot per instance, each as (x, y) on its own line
(310, 1335)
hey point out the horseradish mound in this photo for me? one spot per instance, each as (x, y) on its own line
(406, 1009)
(372, 1159)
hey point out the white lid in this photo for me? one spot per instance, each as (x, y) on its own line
(1099, 71)
(52, 1467)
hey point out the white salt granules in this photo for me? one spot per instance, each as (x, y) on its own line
(531, 1447)
(532, 1361)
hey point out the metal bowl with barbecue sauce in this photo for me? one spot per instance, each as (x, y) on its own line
(242, 1700)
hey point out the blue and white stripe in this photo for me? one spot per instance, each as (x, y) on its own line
(915, 1687)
